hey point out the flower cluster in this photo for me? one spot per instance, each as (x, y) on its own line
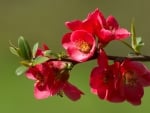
(52, 78)
(81, 42)
(122, 80)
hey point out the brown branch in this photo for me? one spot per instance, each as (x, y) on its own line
(141, 58)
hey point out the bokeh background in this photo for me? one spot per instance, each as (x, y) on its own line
(43, 21)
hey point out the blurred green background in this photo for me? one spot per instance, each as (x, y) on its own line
(43, 21)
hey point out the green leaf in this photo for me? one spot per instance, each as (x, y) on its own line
(133, 36)
(14, 51)
(39, 60)
(26, 63)
(24, 49)
(140, 43)
(137, 42)
(47, 53)
(34, 50)
(20, 70)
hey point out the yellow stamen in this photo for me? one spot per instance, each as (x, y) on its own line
(130, 78)
(83, 46)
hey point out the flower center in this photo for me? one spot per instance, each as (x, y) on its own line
(108, 76)
(41, 81)
(83, 46)
(62, 75)
(130, 78)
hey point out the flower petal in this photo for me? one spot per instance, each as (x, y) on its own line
(134, 94)
(102, 59)
(74, 25)
(105, 36)
(82, 35)
(121, 33)
(30, 73)
(72, 92)
(66, 40)
(82, 45)
(41, 94)
(76, 55)
(142, 72)
(112, 22)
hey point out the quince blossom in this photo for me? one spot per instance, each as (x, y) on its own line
(120, 81)
(51, 78)
(80, 45)
(106, 29)
(111, 31)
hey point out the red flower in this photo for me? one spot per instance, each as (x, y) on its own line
(111, 31)
(93, 21)
(104, 80)
(119, 81)
(40, 73)
(80, 45)
(135, 77)
(40, 52)
(51, 79)
(105, 29)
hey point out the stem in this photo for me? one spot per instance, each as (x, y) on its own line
(141, 58)
(128, 45)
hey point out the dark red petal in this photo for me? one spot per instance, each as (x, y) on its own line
(112, 22)
(39, 52)
(145, 79)
(72, 92)
(116, 96)
(134, 94)
(56, 87)
(96, 77)
(97, 83)
(105, 36)
(102, 59)
(30, 73)
(142, 72)
(45, 47)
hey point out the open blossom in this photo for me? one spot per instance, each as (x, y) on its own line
(41, 77)
(119, 81)
(106, 29)
(104, 80)
(80, 45)
(94, 21)
(111, 31)
(51, 78)
(135, 77)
